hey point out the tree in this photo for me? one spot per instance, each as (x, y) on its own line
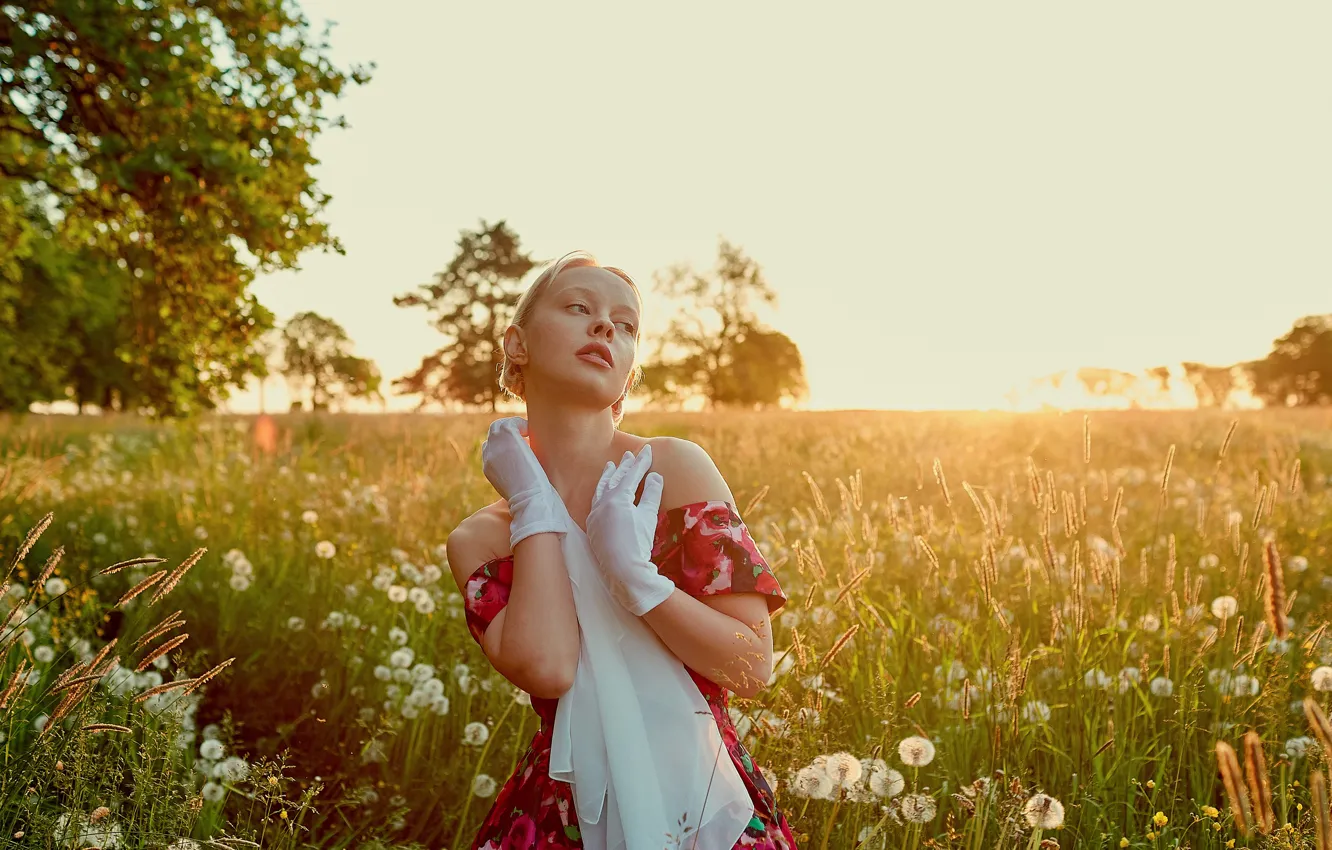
(154, 156)
(1298, 371)
(471, 302)
(734, 359)
(316, 354)
(1212, 385)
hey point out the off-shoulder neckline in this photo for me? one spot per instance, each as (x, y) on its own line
(660, 514)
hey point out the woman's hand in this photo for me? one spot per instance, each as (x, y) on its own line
(620, 533)
(516, 474)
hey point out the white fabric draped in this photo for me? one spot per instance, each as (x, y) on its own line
(635, 737)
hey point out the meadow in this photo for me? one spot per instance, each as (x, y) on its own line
(1004, 630)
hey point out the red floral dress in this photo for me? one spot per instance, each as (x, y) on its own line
(705, 548)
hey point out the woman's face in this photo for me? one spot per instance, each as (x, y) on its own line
(584, 308)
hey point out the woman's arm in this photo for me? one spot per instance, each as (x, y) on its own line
(727, 638)
(534, 641)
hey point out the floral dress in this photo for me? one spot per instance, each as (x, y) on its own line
(705, 548)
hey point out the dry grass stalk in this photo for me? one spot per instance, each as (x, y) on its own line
(141, 587)
(1086, 438)
(16, 682)
(754, 502)
(199, 680)
(29, 541)
(1322, 730)
(912, 700)
(132, 562)
(168, 623)
(818, 496)
(177, 574)
(1226, 442)
(106, 727)
(160, 651)
(851, 585)
(837, 646)
(943, 483)
(1295, 476)
(1033, 482)
(1234, 784)
(1274, 596)
(1322, 822)
(1260, 789)
(49, 567)
(1165, 473)
(163, 688)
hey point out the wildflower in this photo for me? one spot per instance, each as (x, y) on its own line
(1224, 607)
(211, 749)
(325, 549)
(55, 586)
(1211, 811)
(1298, 747)
(844, 769)
(1297, 563)
(1161, 687)
(1322, 678)
(1149, 622)
(397, 593)
(918, 808)
(1159, 820)
(309, 517)
(402, 657)
(483, 785)
(1096, 678)
(916, 752)
(239, 582)
(397, 636)
(295, 623)
(1044, 812)
(475, 733)
(886, 782)
(213, 792)
(1035, 711)
(812, 783)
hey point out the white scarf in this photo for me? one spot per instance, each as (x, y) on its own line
(634, 736)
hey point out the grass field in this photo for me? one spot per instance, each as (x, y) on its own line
(1073, 607)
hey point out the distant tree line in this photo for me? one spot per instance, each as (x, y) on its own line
(715, 350)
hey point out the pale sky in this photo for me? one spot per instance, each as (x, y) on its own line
(949, 198)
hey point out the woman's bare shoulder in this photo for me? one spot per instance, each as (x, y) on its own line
(480, 537)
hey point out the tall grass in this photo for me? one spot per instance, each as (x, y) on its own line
(1085, 618)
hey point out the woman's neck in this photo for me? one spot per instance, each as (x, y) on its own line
(573, 446)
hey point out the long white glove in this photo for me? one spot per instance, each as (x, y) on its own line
(620, 533)
(515, 472)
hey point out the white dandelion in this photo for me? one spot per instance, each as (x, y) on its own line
(1322, 678)
(1224, 607)
(918, 808)
(483, 785)
(1044, 812)
(916, 752)
(325, 549)
(475, 733)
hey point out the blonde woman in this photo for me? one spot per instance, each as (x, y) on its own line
(614, 582)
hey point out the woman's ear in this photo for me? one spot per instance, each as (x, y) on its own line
(515, 346)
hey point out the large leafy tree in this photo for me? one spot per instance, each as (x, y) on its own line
(1298, 371)
(154, 156)
(717, 348)
(317, 357)
(470, 302)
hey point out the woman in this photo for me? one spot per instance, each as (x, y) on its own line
(699, 583)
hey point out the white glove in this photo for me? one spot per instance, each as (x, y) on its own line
(620, 533)
(517, 475)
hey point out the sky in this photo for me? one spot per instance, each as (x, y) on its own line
(950, 199)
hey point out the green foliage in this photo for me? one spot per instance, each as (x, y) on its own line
(717, 348)
(470, 302)
(1298, 371)
(153, 156)
(316, 353)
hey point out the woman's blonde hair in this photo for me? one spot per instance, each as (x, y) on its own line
(511, 374)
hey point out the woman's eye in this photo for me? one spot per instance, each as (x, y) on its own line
(629, 327)
(576, 304)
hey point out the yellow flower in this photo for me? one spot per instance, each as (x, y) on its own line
(1216, 827)
(1151, 836)
(1123, 842)
(1151, 783)
(1230, 843)
(1211, 811)
(1159, 819)
(1299, 807)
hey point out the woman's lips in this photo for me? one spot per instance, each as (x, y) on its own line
(594, 358)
